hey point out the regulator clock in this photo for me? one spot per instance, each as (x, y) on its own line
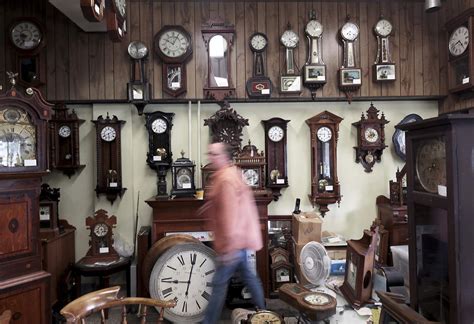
(383, 68)
(101, 238)
(370, 138)
(138, 88)
(276, 153)
(109, 157)
(290, 82)
(314, 71)
(93, 10)
(116, 17)
(350, 76)
(259, 85)
(324, 132)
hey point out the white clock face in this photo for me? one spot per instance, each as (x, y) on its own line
(371, 135)
(458, 41)
(64, 131)
(350, 31)
(289, 39)
(324, 134)
(108, 134)
(184, 273)
(137, 50)
(275, 133)
(250, 177)
(263, 317)
(26, 35)
(383, 28)
(316, 299)
(173, 43)
(101, 229)
(314, 28)
(159, 126)
(258, 42)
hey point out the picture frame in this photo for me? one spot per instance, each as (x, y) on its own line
(384, 72)
(290, 84)
(350, 77)
(315, 73)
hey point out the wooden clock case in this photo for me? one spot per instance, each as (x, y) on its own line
(249, 160)
(93, 10)
(116, 23)
(96, 252)
(48, 202)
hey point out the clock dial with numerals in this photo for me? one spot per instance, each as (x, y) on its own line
(101, 229)
(173, 43)
(250, 177)
(371, 135)
(350, 31)
(431, 164)
(159, 126)
(258, 42)
(64, 131)
(324, 134)
(383, 28)
(108, 134)
(275, 133)
(317, 299)
(26, 35)
(458, 41)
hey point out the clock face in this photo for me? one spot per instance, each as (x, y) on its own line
(383, 28)
(263, 317)
(352, 275)
(64, 131)
(159, 126)
(324, 134)
(289, 39)
(431, 164)
(458, 41)
(26, 35)
(275, 133)
(258, 42)
(314, 28)
(183, 178)
(108, 134)
(226, 135)
(371, 135)
(44, 213)
(250, 177)
(350, 31)
(137, 50)
(173, 43)
(317, 299)
(184, 273)
(101, 230)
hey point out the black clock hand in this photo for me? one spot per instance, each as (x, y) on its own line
(173, 281)
(193, 261)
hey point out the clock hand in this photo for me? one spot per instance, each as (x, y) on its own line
(193, 262)
(173, 281)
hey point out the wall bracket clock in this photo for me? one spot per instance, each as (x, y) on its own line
(48, 208)
(101, 238)
(252, 165)
(182, 171)
(314, 71)
(325, 187)
(370, 138)
(259, 85)
(290, 82)
(116, 18)
(64, 140)
(93, 10)
(138, 89)
(383, 69)
(109, 157)
(350, 76)
(174, 47)
(276, 153)
(218, 38)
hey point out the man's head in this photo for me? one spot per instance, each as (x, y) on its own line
(219, 155)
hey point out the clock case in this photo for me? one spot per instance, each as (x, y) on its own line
(259, 85)
(367, 153)
(49, 199)
(383, 70)
(249, 159)
(60, 148)
(349, 75)
(93, 10)
(291, 76)
(116, 23)
(95, 254)
(138, 83)
(314, 70)
(183, 164)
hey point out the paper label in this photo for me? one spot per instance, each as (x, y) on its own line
(104, 250)
(156, 158)
(175, 85)
(465, 80)
(30, 162)
(137, 94)
(44, 216)
(296, 85)
(321, 78)
(356, 81)
(280, 181)
(186, 186)
(329, 188)
(113, 185)
(442, 190)
(284, 278)
(265, 91)
(391, 77)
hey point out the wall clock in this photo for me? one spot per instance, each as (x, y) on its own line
(182, 171)
(398, 138)
(159, 156)
(48, 208)
(276, 153)
(218, 38)
(350, 76)
(226, 126)
(324, 132)
(279, 254)
(252, 164)
(101, 238)
(64, 140)
(259, 85)
(460, 52)
(138, 89)
(290, 82)
(93, 10)
(116, 17)
(314, 71)
(264, 316)
(184, 273)
(174, 47)
(383, 68)
(370, 138)
(109, 157)
(281, 273)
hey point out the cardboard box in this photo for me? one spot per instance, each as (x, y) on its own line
(306, 227)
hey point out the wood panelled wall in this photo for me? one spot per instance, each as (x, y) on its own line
(88, 66)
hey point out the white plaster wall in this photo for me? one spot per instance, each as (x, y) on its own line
(358, 188)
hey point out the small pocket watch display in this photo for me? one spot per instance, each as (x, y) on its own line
(314, 71)
(370, 138)
(290, 82)
(383, 68)
(109, 157)
(138, 89)
(174, 47)
(350, 76)
(259, 85)
(101, 238)
(182, 171)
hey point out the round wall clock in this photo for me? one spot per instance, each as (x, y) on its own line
(259, 85)
(137, 50)
(350, 31)
(258, 42)
(458, 41)
(64, 131)
(26, 35)
(383, 28)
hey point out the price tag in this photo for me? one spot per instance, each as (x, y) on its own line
(442, 190)
(329, 188)
(280, 181)
(356, 81)
(186, 186)
(265, 91)
(321, 78)
(391, 77)
(284, 278)
(175, 85)
(113, 185)
(465, 80)
(104, 250)
(157, 158)
(30, 162)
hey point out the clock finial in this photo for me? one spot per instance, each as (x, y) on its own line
(182, 153)
(12, 78)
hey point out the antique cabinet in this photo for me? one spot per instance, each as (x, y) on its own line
(440, 185)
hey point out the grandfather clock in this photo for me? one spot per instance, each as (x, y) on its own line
(24, 287)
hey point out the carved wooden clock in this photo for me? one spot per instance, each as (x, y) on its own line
(290, 82)
(109, 157)
(325, 188)
(259, 85)
(350, 76)
(159, 156)
(370, 138)
(64, 140)
(276, 153)
(226, 126)
(383, 68)
(93, 10)
(281, 273)
(101, 238)
(116, 17)
(174, 47)
(138, 89)
(252, 165)
(183, 177)
(48, 208)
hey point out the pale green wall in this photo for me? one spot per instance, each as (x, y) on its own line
(359, 189)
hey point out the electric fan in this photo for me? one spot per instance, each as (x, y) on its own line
(315, 263)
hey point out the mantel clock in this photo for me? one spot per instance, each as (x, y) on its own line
(259, 85)
(350, 76)
(116, 18)
(93, 10)
(383, 68)
(324, 132)
(252, 163)
(370, 138)
(314, 71)
(139, 88)
(182, 171)
(290, 82)
(101, 238)
(109, 157)
(48, 208)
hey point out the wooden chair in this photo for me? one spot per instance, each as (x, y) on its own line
(101, 300)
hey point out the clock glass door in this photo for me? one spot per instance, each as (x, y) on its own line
(430, 165)
(218, 74)
(325, 181)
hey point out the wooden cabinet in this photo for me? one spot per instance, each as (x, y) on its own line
(394, 218)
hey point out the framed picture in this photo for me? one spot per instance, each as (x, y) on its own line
(384, 72)
(350, 77)
(290, 83)
(314, 73)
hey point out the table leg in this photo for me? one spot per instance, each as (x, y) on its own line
(127, 273)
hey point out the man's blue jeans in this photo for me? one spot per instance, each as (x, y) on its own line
(227, 265)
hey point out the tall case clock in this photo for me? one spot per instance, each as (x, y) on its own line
(24, 287)
(440, 184)
(276, 153)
